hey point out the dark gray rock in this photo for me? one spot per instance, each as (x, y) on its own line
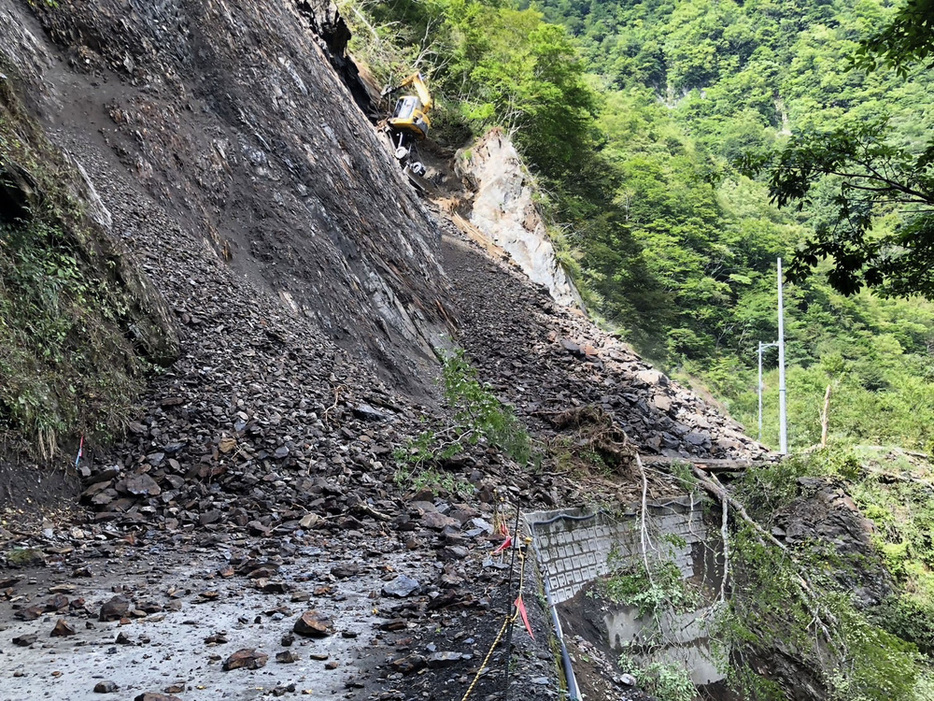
(402, 586)
(114, 609)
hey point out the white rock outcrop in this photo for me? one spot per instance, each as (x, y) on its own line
(503, 210)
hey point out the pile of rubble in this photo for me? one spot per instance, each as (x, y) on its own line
(545, 359)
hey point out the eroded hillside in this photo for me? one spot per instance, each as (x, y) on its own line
(232, 121)
(310, 287)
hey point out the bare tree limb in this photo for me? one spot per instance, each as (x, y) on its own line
(642, 532)
(725, 536)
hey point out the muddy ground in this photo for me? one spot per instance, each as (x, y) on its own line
(182, 606)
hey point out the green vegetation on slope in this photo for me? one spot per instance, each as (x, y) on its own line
(478, 418)
(693, 87)
(877, 649)
(66, 365)
(488, 64)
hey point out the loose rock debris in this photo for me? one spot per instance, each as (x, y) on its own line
(248, 658)
(313, 624)
(257, 484)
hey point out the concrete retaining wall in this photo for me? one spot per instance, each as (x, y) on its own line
(575, 546)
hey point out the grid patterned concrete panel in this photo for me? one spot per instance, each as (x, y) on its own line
(575, 546)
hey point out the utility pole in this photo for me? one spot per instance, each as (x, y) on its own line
(782, 415)
(762, 347)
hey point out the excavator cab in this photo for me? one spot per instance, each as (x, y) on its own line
(409, 115)
(409, 121)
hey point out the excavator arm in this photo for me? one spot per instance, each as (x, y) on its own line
(418, 84)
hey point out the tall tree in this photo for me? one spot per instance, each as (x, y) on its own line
(858, 173)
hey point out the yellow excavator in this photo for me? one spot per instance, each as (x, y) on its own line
(409, 122)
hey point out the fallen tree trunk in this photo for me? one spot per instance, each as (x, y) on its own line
(805, 590)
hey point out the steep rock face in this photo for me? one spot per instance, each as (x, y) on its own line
(39, 183)
(503, 210)
(231, 118)
(825, 513)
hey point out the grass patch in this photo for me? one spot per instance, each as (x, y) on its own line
(477, 418)
(70, 362)
(24, 557)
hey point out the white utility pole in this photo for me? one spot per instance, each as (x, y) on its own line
(762, 347)
(782, 415)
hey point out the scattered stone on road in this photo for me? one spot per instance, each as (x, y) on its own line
(313, 624)
(247, 658)
(62, 628)
(401, 587)
(115, 609)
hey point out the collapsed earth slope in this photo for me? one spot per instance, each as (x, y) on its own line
(232, 120)
(306, 283)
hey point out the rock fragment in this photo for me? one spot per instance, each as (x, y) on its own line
(443, 658)
(401, 587)
(409, 664)
(246, 658)
(30, 613)
(313, 624)
(62, 628)
(114, 609)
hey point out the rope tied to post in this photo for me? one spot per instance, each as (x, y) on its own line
(517, 611)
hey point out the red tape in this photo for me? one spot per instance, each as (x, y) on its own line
(520, 606)
(506, 544)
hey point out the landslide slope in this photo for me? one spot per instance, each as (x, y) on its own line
(305, 278)
(231, 122)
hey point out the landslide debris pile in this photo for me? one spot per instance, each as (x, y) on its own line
(546, 359)
(301, 270)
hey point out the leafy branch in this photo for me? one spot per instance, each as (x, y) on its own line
(871, 176)
(477, 416)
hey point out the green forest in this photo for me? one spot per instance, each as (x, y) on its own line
(654, 129)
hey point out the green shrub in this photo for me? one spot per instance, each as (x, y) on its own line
(665, 589)
(666, 681)
(477, 416)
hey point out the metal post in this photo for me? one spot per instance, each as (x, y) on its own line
(760, 391)
(782, 415)
(762, 347)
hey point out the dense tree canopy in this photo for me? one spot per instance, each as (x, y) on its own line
(871, 175)
(905, 39)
